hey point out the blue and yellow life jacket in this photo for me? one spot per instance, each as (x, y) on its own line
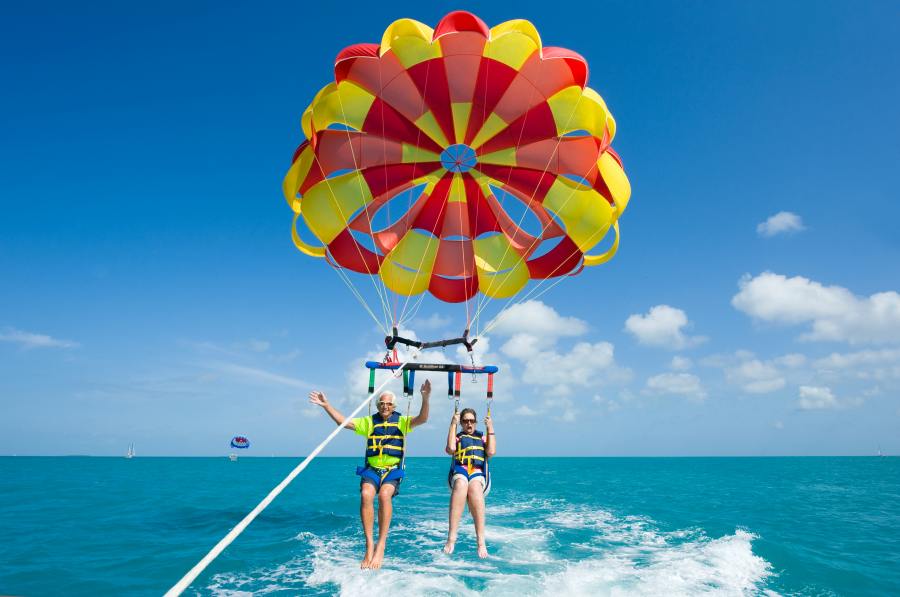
(470, 458)
(386, 438)
(469, 452)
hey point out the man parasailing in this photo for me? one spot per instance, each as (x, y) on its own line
(385, 433)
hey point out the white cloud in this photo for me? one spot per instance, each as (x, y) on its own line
(259, 376)
(563, 410)
(626, 395)
(781, 223)
(538, 319)
(586, 364)
(286, 357)
(791, 361)
(755, 377)
(435, 321)
(840, 373)
(307, 410)
(680, 363)
(834, 313)
(662, 326)
(778, 424)
(816, 398)
(534, 328)
(608, 403)
(859, 359)
(522, 346)
(29, 340)
(679, 384)
(717, 360)
(525, 411)
(259, 345)
(864, 364)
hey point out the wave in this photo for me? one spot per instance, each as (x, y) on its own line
(560, 549)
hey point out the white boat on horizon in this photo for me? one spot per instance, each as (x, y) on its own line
(130, 452)
(232, 457)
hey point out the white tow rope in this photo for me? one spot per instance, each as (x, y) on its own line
(194, 572)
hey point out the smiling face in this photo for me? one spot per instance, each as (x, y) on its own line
(385, 404)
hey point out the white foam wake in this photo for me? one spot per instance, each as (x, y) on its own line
(612, 556)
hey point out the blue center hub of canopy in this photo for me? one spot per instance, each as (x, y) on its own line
(458, 158)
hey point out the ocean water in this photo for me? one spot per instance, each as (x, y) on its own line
(556, 526)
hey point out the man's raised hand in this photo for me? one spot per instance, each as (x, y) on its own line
(318, 398)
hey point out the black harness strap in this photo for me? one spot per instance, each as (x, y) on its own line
(395, 339)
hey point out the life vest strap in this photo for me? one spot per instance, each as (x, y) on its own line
(380, 475)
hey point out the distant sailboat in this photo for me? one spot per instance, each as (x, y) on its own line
(130, 452)
(232, 457)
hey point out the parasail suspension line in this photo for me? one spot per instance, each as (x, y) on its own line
(536, 292)
(383, 294)
(194, 572)
(481, 302)
(484, 302)
(398, 318)
(362, 301)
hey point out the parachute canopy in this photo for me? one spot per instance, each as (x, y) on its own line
(430, 150)
(240, 442)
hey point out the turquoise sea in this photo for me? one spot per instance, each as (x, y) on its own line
(556, 526)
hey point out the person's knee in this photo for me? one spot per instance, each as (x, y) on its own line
(386, 492)
(367, 493)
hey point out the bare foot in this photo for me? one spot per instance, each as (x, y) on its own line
(367, 561)
(377, 557)
(449, 546)
(482, 550)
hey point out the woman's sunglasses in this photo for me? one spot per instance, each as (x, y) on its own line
(464, 421)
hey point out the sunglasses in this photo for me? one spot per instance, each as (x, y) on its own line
(464, 421)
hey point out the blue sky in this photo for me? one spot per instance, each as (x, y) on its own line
(150, 292)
